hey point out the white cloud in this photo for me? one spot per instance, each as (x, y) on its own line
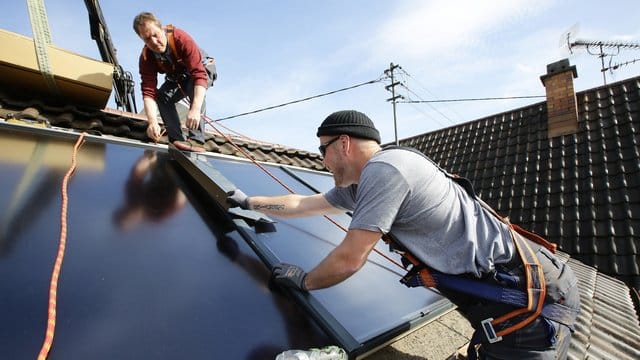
(449, 28)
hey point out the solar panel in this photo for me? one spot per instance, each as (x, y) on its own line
(366, 309)
(156, 267)
(164, 284)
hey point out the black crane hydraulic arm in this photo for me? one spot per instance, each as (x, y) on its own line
(122, 80)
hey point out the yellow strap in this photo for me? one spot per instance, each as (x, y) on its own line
(42, 39)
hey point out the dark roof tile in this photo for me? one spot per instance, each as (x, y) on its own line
(582, 191)
(120, 124)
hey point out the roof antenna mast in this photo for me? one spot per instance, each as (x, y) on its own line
(598, 48)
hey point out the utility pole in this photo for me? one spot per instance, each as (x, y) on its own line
(392, 87)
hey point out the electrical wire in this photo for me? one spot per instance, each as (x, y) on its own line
(302, 100)
(406, 76)
(473, 99)
(423, 87)
(251, 158)
(432, 107)
(410, 100)
(289, 189)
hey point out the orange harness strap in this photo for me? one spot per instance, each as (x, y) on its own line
(535, 238)
(172, 43)
(535, 282)
(536, 289)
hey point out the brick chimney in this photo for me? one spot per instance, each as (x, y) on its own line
(562, 109)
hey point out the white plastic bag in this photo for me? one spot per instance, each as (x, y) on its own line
(325, 353)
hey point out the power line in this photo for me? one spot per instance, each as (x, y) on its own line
(473, 99)
(422, 101)
(381, 78)
(410, 100)
(305, 99)
(430, 117)
(420, 85)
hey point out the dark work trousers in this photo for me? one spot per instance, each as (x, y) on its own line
(541, 339)
(166, 97)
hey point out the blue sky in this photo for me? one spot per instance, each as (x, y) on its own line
(273, 52)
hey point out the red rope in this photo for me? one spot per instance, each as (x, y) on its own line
(252, 159)
(53, 285)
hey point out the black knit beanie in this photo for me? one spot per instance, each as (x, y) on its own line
(349, 122)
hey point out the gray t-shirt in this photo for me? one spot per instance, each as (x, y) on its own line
(429, 214)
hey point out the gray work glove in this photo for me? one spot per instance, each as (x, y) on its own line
(288, 275)
(238, 198)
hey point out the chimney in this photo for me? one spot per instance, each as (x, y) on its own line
(562, 109)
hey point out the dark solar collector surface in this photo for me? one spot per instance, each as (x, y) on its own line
(151, 272)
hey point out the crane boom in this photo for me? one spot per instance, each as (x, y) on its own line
(123, 83)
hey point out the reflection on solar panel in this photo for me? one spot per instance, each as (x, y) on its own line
(367, 309)
(156, 268)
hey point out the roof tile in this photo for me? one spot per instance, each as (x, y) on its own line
(582, 191)
(122, 124)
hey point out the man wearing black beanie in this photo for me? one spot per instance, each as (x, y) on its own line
(349, 122)
(441, 227)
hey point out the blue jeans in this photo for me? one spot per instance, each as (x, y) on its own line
(166, 97)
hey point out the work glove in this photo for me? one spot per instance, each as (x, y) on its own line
(238, 198)
(288, 275)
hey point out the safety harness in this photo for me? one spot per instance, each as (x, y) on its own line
(529, 303)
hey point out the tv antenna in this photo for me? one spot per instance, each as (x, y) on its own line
(601, 49)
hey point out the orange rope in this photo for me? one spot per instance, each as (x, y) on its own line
(53, 287)
(186, 101)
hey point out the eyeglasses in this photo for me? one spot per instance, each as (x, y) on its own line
(323, 147)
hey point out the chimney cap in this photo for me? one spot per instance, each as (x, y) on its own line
(558, 67)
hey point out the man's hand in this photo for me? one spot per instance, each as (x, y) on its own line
(238, 198)
(193, 119)
(154, 132)
(289, 275)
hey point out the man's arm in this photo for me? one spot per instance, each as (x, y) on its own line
(344, 260)
(149, 81)
(193, 116)
(192, 59)
(151, 109)
(292, 205)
